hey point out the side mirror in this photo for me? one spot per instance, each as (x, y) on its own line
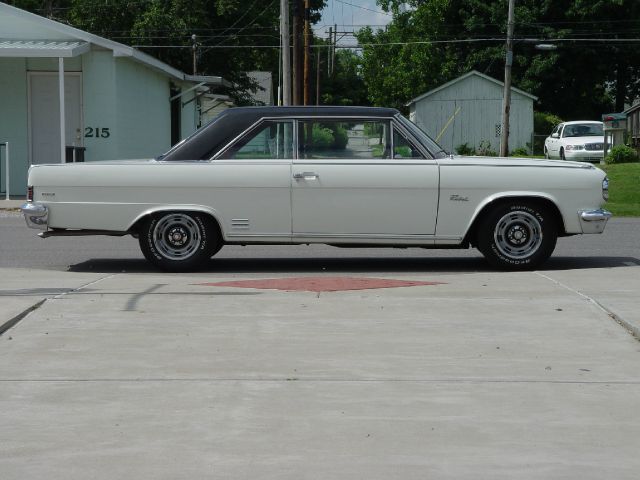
(555, 135)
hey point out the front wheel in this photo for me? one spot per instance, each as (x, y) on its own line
(179, 241)
(518, 236)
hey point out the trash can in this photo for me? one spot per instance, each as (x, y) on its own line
(78, 152)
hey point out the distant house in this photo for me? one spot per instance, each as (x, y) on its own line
(633, 125)
(469, 110)
(117, 102)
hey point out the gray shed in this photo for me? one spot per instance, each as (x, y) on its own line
(468, 110)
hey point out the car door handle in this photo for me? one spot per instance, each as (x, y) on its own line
(306, 176)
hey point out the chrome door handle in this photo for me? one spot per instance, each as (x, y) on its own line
(306, 176)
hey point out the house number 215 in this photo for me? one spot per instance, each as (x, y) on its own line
(97, 132)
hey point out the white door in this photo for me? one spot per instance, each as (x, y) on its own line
(348, 184)
(44, 115)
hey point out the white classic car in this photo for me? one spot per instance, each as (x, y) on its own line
(580, 141)
(345, 176)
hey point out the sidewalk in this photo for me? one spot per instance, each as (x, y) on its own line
(10, 204)
(487, 375)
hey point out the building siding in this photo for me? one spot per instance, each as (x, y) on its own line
(14, 121)
(480, 112)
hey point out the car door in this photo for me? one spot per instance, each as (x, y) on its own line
(347, 183)
(553, 146)
(251, 183)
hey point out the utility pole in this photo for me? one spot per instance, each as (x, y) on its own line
(318, 77)
(329, 51)
(506, 98)
(307, 54)
(333, 48)
(297, 51)
(284, 45)
(194, 51)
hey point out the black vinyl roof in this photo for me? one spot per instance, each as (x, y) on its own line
(207, 140)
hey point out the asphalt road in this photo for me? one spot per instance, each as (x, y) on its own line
(20, 247)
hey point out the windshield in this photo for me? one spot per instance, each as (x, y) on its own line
(583, 130)
(434, 149)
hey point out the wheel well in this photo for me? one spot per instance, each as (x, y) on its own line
(135, 228)
(471, 236)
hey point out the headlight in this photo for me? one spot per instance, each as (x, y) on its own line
(574, 147)
(605, 188)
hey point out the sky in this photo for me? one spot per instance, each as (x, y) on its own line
(351, 15)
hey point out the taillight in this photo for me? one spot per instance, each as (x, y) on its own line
(29, 193)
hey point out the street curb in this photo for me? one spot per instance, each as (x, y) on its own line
(15, 320)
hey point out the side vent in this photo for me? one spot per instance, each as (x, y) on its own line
(240, 224)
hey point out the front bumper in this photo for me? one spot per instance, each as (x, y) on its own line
(594, 221)
(36, 215)
(584, 155)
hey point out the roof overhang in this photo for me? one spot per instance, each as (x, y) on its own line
(42, 48)
(209, 80)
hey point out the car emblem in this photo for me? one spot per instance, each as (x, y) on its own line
(458, 198)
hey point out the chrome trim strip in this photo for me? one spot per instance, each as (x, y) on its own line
(585, 166)
(36, 215)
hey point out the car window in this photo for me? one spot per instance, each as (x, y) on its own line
(269, 140)
(557, 129)
(403, 148)
(351, 139)
(583, 130)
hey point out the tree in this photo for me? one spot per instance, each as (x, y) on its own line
(233, 36)
(578, 80)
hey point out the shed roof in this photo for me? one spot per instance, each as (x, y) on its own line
(465, 76)
(632, 108)
(25, 34)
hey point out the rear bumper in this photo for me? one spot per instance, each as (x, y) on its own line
(593, 221)
(36, 215)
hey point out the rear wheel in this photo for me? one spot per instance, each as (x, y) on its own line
(517, 236)
(179, 241)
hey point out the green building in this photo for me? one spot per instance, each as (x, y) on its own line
(66, 95)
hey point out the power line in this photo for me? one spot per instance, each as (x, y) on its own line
(422, 42)
(364, 8)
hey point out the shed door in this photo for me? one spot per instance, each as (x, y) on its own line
(44, 115)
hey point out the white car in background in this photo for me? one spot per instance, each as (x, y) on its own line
(581, 141)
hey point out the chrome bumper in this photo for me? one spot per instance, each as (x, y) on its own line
(36, 215)
(594, 221)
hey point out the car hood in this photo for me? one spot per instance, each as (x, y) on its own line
(582, 140)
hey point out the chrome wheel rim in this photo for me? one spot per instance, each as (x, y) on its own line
(176, 236)
(518, 235)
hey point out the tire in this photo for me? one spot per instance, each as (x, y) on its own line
(546, 153)
(562, 157)
(517, 236)
(179, 241)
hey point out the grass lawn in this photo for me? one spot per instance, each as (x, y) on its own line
(624, 189)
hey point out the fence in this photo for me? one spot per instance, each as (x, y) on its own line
(537, 144)
(7, 176)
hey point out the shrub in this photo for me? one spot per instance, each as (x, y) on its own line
(520, 152)
(544, 122)
(322, 137)
(465, 149)
(340, 137)
(484, 150)
(621, 154)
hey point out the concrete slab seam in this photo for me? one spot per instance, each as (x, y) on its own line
(74, 290)
(628, 326)
(15, 320)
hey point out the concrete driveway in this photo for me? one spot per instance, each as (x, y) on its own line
(479, 375)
